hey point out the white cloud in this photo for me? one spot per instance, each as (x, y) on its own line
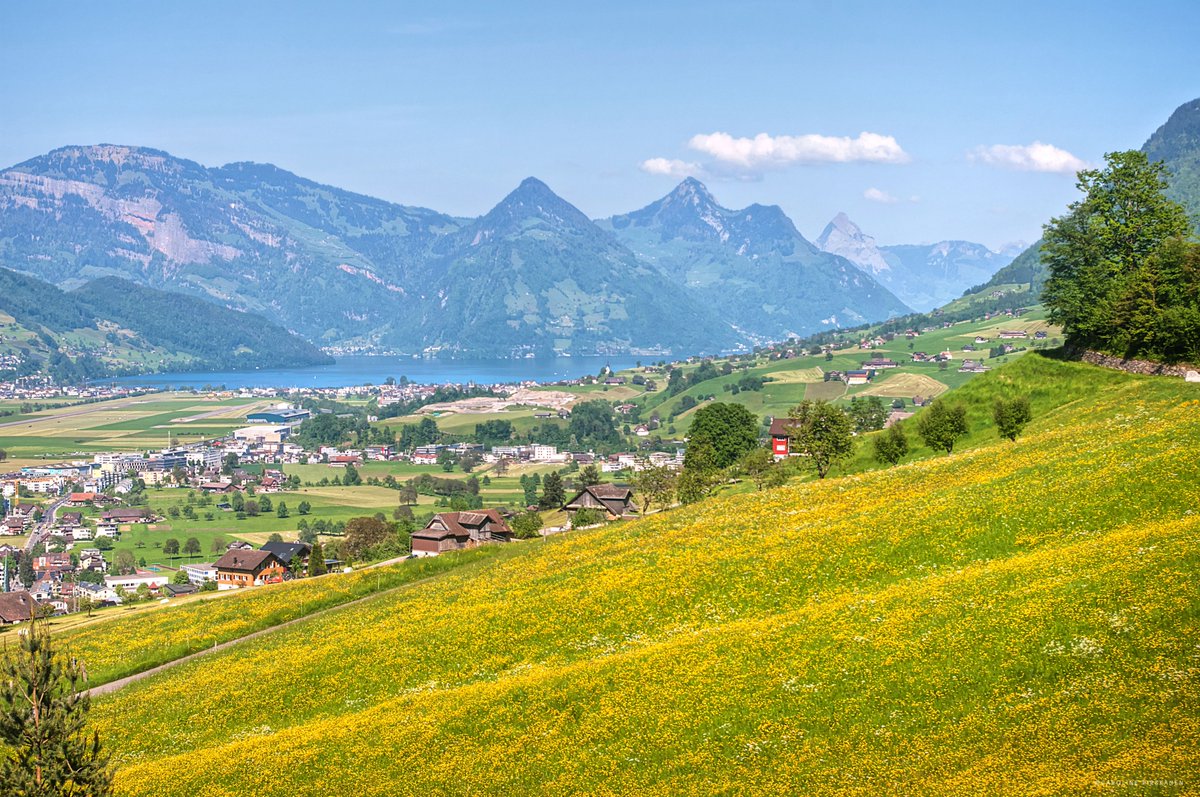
(765, 151)
(670, 167)
(878, 195)
(1035, 157)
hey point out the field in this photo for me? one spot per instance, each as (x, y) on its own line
(950, 625)
(132, 424)
(901, 385)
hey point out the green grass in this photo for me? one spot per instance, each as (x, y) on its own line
(1015, 618)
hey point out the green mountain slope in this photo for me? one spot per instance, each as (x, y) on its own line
(947, 626)
(753, 264)
(123, 326)
(541, 277)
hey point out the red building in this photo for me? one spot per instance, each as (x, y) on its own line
(781, 438)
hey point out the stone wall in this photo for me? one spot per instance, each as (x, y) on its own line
(1147, 367)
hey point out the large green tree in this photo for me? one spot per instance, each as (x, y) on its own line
(941, 425)
(730, 430)
(45, 750)
(1098, 252)
(822, 433)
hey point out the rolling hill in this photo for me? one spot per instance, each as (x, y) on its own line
(949, 625)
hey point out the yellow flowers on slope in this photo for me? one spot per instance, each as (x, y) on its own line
(1016, 618)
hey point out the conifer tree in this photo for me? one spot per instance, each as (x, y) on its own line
(44, 749)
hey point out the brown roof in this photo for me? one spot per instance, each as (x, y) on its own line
(779, 427)
(16, 606)
(609, 491)
(245, 561)
(456, 524)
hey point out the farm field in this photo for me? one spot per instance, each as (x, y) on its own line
(131, 424)
(755, 644)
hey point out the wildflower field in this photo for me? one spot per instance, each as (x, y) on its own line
(1016, 618)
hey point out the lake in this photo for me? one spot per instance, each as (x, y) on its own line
(360, 370)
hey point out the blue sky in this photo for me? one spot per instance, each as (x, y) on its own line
(450, 105)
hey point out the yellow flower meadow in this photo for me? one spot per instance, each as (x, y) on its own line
(1018, 618)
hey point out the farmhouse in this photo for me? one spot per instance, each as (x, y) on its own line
(240, 568)
(16, 607)
(1013, 333)
(614, 500)
(133, 515)
(452, 531)
(82, 499)
(287, 552)
(876, 364)
(858, 377)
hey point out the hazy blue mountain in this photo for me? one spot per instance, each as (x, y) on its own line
(753, 264)
(925, 276)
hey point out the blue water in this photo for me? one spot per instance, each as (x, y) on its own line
(347, 371)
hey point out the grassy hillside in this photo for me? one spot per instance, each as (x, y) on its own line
(1019, 617)
(123, 326)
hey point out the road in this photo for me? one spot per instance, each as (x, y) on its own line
(42, 530)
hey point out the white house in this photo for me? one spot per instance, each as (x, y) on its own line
(134, 580)
(200, 572)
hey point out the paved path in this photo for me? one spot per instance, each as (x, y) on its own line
(113, 686)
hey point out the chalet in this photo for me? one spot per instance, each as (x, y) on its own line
(71, 519)
(919, 356)
(287, 552)
(972, 367)
(23, 510)
(980, 339)
(17, 607)
(642, 430)
(240, 568)
(625, 409)
(1008, 334)
(216, 487)
(616, 501)
(1040, 334)
(239, 545)
(12, 525)
(452, 531)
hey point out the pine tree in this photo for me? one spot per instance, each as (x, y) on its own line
(316, 560)
(46, 752)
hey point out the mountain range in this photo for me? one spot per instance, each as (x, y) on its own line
(534, 275)
(924, 276)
